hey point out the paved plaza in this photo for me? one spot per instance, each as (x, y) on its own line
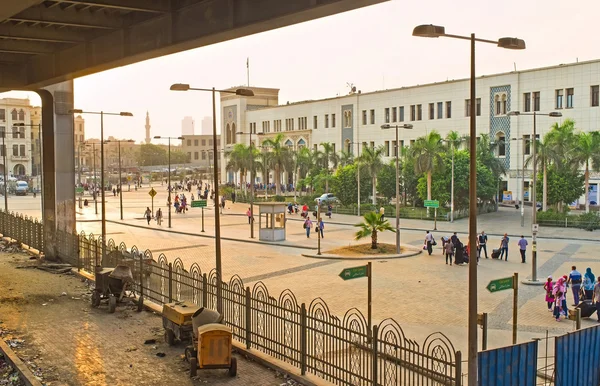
(422, 293)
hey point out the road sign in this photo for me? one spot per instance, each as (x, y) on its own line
(79, 190)
(354, 273)
(535, 227)
(500, 284)
(152, 192)
(199, 204)
(431, 204)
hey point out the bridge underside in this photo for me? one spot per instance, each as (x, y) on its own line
(45, 44)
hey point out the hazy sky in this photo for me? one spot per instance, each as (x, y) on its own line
(371, 47)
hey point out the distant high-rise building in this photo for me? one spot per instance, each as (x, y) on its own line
(187, 126)
(207, 126)
(147, 127)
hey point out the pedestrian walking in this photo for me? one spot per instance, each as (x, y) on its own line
(482, 242)
(249, 214)
(159, 216)
(548, 285)
(382, 214)
(504, 247)
(148, 215)
(429, 240)
(575, 280)
(596, 298)
(589, 281)
(522, 248)
(449, 248)
(307, 225)
(222, 204)
(320, 227)
(233, 197)
(560, 302)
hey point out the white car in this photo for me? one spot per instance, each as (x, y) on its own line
(327, 198)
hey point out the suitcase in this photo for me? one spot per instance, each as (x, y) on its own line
(495, 254)
(587, 308)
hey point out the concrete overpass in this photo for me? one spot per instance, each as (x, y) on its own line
(45, 44)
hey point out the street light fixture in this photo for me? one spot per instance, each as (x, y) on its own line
(554, 114)
(434, 31)
(251, 182)
(102, 114)
(95, 196)
(169, 172)
(385, 127)
(120, 180)
(240, 92)
(452, 144)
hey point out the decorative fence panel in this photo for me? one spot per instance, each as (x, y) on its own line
(509, 366)
(577, 358)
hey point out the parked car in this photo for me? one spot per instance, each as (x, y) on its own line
(327, 198)
(22, 188)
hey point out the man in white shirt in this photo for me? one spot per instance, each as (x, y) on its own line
(429, 242)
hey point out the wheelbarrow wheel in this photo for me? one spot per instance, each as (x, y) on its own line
(169, 337)
(95, 299)
(193, 367)
(112, 304)
(233, 367)
(190, 354)
(140, 304)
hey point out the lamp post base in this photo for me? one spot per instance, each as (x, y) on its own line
(533, 282)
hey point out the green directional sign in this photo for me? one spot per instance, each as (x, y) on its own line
(199, 204)
(432, 204)
(354, 273)
(79, 190)
(500, 284)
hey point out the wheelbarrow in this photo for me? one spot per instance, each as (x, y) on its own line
(113, 285)
(177, 321)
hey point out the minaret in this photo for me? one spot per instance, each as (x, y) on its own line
(147, 127)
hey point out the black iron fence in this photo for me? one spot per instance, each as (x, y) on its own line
(344, 351)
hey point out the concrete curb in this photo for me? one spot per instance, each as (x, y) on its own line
(26, 375)
(374, 257)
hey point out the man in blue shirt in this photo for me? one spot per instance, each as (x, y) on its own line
(575, 280)
(522, 248)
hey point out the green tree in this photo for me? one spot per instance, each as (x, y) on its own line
(587, 153)
(564, 185)
(371, 225)
(408, 179)
(346, 158)
(427, 152)
(544, 156)
(279, 158)
(330, 159)
(386, 180)
(151, 154)
(345, 187)
(371, 161)
(179, 157)
(240, 160)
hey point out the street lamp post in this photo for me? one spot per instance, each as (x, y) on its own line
(405, 126)
(102, 114)
(452, 145)
(521, 193)
(169, 172)
(432, 31)
(555, 114)
(120, 179)
(241, 92)
(5, 173)
(94, 166)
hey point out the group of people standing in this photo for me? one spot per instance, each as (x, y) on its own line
(585, 290)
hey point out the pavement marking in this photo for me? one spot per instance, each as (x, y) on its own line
(178, 248)
(290, 270)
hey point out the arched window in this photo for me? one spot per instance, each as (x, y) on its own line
(301, 143)
(347, 119)
(503, 103)
(233, 131)
(289, 143)
(498, 105)
(21, 115)
(501, 144)
(14, 115)
(227, 135)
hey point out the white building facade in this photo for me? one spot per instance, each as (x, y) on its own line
(15, 128)
(355, 120)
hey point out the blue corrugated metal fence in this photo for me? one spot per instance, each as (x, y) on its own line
(577, 358)
(508, 366)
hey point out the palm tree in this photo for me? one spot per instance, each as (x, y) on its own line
(370, 226)
(346, 158)
(587, 149)
(371, 161)
(278, 158)
(240, 160)
(544, 155)
(330, 157)
(427, 152)
(562, 140)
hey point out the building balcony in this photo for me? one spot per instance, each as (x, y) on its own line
(19, 158)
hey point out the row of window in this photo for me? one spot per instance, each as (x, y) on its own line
(531, 100)
(18, 150)
(197, 155)
(14, 114)
(203, 142)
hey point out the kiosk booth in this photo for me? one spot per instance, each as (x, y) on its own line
(271, 221)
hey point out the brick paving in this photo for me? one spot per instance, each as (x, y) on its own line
(66, 342)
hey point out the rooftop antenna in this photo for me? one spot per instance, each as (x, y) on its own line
(352, 88)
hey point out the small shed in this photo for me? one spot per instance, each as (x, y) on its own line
(271, 221)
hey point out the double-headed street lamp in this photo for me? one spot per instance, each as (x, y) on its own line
(532, 197)
(93, 144)
(241, 92)
(102, 114)
(251, 181)
(385, 127)
(434, 31)
(120, 181)
(169, 172)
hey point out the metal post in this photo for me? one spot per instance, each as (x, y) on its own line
(5, 174)
(578, 318)
(248, 319)
(375, 354)
(202, 219)
(515, 306)
(472, 334)
(319, 231)
(217, 218)
(170, 282)
(523, 184)
(359, 115)
(169, 182)
(102, 183)
(95, 184)
(435, 219)
(121, 187)
(303, 338)
(534, 205)
(452, 188)
(397, 195)
(251, 190)
(484, 327)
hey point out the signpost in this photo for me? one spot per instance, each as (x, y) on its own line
(152, 193)
(200, 204)
(504, 284)
(433, 204)
(356, 273)
(79, 190)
